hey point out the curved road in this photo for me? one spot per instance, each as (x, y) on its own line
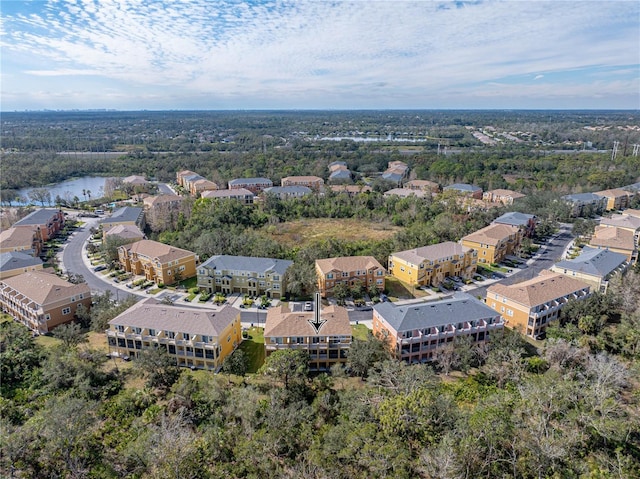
(73, 262)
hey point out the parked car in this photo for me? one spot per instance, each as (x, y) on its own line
(100, 268)
(308, 306)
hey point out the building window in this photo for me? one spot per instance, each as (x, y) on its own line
(171, 335)
(66, 310)
(152, 332)
(137, 330)
(186, 336)
(120, 328)
(330, 276)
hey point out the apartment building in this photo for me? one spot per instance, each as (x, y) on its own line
(506, 197)
(244, 274)
(430, 265)
(14, 263)
(616, 198)
(465, 190)
(26, 240)
(158, 262)
(494, 242)
(531, 306)
(196, 337)
(351, 190)
(242, 195)
(162, 202)
(524, 221)
(593, 266)
(42, 301)
(339, 172)
(284, 192)
(418, 332)
(585, 203)
(314, 182)
(423, 185)
(200, 185)
(406, 193)
(396, 172)
(350, 270)
(48, 221)
(254, 185)
(127, 215)
(618, 240)
(128, 233)
(182, 175)
(324, 333)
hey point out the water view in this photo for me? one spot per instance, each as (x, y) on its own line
(83, 188)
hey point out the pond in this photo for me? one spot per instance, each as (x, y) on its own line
(83, 188)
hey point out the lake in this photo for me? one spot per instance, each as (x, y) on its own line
(70, 188)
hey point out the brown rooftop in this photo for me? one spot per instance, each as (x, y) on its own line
(281, 322)
(44, 288)
(492, 234)
(432, 252)
(546, 287)
(153, 249)
(612, 237)
(348, 263)
(16, 237)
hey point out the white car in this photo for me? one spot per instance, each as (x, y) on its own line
(308, 306)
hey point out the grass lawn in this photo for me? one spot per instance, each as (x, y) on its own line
(360, 331)
(300, 232)
(253, 347)
(399, 290)
(190, 283)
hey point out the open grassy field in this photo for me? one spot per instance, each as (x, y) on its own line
(300, 232)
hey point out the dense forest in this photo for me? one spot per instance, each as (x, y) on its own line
(570, 411)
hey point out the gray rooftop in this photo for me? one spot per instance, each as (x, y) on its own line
(594, 261)
(340, 174)
(391, 176)
(38, 217)
(583, 197)
(17, 259)
(244, 181)
(293, 190)
(126, 213)
(152, 314)
(247, 263)
(463, 187)
(460, 307)
(514, 218)
(634, 187)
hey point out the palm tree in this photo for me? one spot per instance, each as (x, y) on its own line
(89, 194)
(84, 193)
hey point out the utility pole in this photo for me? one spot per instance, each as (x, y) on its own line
(614, 152)
(635, 150)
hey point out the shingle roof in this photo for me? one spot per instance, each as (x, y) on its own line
(226, 193)
(16, 237)
(312, 179)
(432, 252)
(37, 217)
(501, 192)
(514, 218)
(463, 187)
(492, 234)
(249, 181)
(612, 193)
(612, 237)
(340, 174)
(153, 249)
(126, 213)
(44, 288)
(460, 307)
(422, 184)
(622, 221)
(293, 190)
(125, 231)
(152, 314)
(17, 259)
(406, 192)
(546, 287)
(152, 201)
(281, 322)
(594, 261)
(583, 198)
(348, 263)
(247, 263)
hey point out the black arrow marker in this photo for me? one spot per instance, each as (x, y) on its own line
(316, 322)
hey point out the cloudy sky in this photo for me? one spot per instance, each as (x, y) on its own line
(364, 54)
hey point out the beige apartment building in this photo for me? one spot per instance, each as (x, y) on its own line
(158, 262)
(314, 182)
(494, 242)
(324, 333)
(41, 301)
(349, 270)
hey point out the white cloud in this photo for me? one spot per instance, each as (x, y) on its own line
(340, 51)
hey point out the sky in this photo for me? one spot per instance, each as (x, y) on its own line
(358, 54)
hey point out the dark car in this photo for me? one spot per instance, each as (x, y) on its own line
(100, 268)
(541, 336)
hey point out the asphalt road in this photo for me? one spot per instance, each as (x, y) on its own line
(73, 262)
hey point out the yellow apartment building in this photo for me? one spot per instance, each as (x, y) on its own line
(430, 265)
(195, 337)
(615, 239)
(593, 266)
(494, 242)
(530, 306)
(617, 199)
